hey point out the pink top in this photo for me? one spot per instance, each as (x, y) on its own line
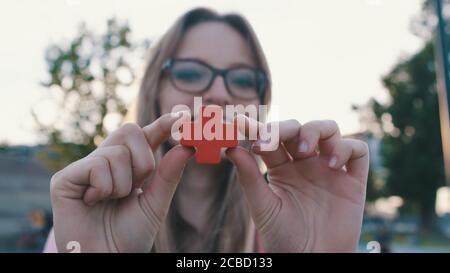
(50, 244)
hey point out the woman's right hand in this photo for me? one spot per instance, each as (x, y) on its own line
(98, 202)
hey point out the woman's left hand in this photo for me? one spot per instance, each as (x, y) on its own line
(315, 195)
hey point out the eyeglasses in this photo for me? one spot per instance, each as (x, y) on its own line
(195, 77)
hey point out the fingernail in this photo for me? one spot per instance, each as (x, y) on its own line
(303, 148)
(332, 162)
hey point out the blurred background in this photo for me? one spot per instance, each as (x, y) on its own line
(70, 71)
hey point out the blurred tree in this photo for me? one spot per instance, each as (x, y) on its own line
(411, 148)
(371, 134)
(411, 143)
(89, 78)
(3, 146)
(375, 186)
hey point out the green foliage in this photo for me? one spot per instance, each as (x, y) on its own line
(411, 146)
(87, 77)
(3, 147)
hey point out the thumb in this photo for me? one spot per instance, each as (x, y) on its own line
(167, 175)
(260, 197)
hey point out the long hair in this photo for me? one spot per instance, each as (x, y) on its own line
(230, 226)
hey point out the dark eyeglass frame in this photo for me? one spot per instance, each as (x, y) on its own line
(261, 77)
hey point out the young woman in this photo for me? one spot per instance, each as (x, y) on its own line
(140, 191)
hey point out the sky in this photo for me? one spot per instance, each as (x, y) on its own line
(324, 55)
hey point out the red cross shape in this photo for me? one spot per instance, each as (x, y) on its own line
(208, 146)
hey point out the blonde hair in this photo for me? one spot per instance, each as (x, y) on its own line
(230, 223)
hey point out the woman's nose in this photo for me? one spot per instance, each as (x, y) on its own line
(217, 93)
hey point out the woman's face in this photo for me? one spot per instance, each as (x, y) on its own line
(218, 45)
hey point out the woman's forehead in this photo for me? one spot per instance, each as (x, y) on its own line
(215, 43)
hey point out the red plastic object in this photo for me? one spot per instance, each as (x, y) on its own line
(208, 147)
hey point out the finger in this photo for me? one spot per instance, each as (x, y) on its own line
(273, 132)
(274, 158)
(160, 130)
(101, 182)
(142, 159)
(289, 130)
(119, 159)
(268, 140)
(354, 155)
(286, 133)
(260, 197)
(160, 191)
(324, 134)
(89, 179)
(248, 127)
